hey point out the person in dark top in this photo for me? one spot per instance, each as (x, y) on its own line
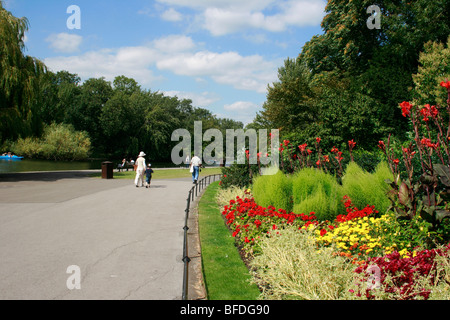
(148, 175)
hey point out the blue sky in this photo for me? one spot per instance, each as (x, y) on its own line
(221, 54)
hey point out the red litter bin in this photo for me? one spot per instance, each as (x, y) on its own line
(107, 170)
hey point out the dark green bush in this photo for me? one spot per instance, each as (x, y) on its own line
(239, 175)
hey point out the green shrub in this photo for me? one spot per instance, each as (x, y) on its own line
(28, 147)
(275, 190)
(59, 142)
(317, 191)
(366, 188)
(238, 175)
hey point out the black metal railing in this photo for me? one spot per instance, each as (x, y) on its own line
(194, 192)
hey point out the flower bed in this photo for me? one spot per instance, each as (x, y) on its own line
(357, 235)
(407, 246)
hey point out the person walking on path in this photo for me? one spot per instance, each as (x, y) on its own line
(148, 174)
(196, 163)
(140, 169)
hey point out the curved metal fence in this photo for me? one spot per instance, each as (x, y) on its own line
(193, 193)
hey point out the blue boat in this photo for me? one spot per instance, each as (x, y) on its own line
(13, 157)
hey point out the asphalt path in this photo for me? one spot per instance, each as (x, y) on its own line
(116, 241)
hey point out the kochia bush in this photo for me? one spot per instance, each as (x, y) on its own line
(366, 188)
(317, 191)
(273, 190)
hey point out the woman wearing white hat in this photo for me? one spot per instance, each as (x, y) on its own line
(140, 169)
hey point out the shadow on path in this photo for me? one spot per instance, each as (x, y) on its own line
(46, 175)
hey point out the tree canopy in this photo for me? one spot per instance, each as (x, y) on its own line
(19, 80)
(347, 82)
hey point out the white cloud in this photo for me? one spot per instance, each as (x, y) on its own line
(241, 106)
(203, 4)
(247, 73)
(243, 111)
(174, 43)
(131, 62)
(221, 17)
(204, 99)
(176, 54)
(221, 21)
(64, 42)
(172, 15)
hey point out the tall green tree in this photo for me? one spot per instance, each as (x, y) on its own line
(383, 60)
(59, 94)
(434, 67)
(347, 82)
(19, 80)
(290, 101)
(85, 115)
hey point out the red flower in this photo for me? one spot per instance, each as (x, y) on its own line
(302, 147)
(381, 145)
(406, 108)
(351, 144)
(318, 140)
(428, 111)
(323, 232)
(427, 142)
(445, 84)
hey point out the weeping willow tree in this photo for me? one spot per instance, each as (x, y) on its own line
(19, 80)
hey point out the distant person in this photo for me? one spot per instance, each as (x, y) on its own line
(122, 165)
(186, 162)
(140, 169)
(196, 163)
(148, 175)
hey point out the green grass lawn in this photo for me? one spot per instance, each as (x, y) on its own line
(225, 274)
(164, 173)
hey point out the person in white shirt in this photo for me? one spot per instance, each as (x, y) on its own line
(196, 163)
(140, 169)
(186, 162)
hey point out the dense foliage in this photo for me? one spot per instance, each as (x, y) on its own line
(19, 80)
(346, 82)
(58, 142)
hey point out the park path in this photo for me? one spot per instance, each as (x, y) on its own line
(126, 241)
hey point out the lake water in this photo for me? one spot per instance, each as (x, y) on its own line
(47, 165)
